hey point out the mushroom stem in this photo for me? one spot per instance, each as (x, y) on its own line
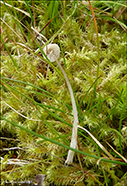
(75, 113)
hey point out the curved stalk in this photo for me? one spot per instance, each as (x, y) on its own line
(75, 113)
(53, 52)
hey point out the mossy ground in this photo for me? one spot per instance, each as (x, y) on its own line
(35, 95)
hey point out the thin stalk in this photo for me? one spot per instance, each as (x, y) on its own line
(75, 113)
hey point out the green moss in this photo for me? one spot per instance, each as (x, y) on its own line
(37, 98)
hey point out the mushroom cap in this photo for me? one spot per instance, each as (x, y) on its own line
(52, 51)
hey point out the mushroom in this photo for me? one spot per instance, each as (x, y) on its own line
(52, 51)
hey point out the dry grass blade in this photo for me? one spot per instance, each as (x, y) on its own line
(18, 162)
(97, 142)
(12, 30)
(91, 8)
(121, 10)
(20, 113)
(98, 161)
(117, 152)
(24, 12)
(120, 24)
(39, 35)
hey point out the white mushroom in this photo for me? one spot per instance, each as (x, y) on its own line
(52, 51)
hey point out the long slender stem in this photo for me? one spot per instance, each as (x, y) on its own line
(75, 113)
